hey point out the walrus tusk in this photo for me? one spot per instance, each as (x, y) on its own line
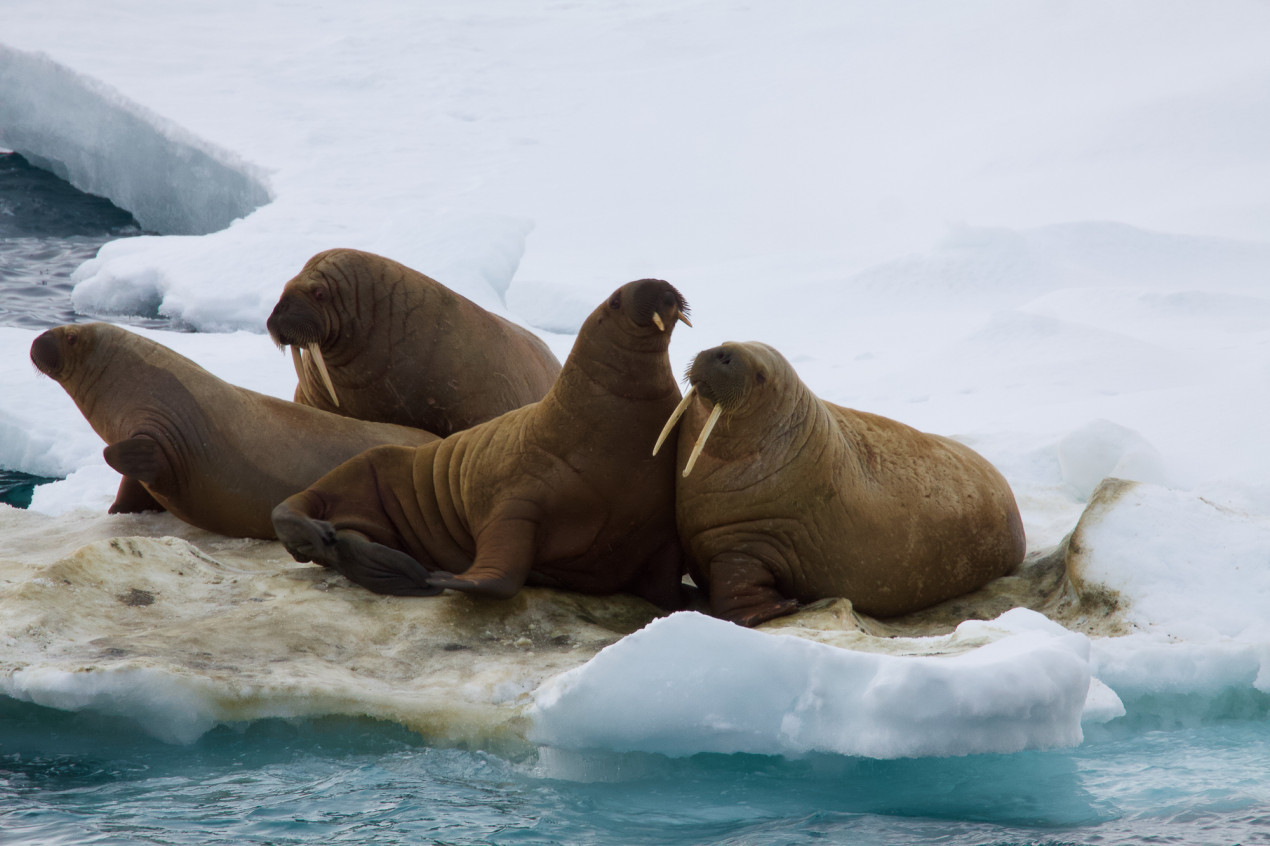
(298, 360)
(685, 320)
(661, 327)
(674, 418)
(316, 352)
(701, 439)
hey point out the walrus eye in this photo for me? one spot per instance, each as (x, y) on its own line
(319, 294)
(71, 338)
(759, 378)
(616, 302)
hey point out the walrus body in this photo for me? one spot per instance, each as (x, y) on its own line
(561, 493)
(793, 499)
(216, 455)
(387, 343)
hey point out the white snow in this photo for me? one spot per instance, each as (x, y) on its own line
(1040, 228)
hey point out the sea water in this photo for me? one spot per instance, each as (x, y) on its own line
(81, 778)
(47, 229)
(1189, 770)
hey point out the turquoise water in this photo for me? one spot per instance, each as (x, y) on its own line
(17, 488)
(79, 778)
(1192, 770)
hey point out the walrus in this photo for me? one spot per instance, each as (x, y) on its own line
(216, 455)
(560, 493)
(785, 498)
(384, 342)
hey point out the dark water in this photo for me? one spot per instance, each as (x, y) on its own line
(47, 229)
(79, 778)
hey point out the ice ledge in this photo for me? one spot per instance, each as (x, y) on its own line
(690, 683)
(101, 142)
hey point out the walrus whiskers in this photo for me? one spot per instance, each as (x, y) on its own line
(701, 439)
(674, 418)
(316, 352)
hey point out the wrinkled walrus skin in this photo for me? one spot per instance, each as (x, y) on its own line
(793, 499)
(218, 456)
(398, 347)
(561, 493)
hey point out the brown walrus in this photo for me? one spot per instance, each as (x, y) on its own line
(561, 493)
(790, 499)
(387, 343)
(216, 455)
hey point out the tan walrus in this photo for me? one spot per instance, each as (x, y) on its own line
(561, 493)
(785, 499)
(216, 455)
(387, 343)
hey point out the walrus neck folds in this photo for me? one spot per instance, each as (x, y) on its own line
(86, 373)
(587, 372)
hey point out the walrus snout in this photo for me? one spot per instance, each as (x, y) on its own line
(293, 322)
(720, 375)
(46, 352)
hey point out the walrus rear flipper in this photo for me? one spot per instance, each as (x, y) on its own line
(137, 458)
(374, 566)
(380, 568)
(133, 498)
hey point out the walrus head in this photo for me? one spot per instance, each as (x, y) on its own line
(650, 303)
(55, 352)
(731, 377)
(305, 317)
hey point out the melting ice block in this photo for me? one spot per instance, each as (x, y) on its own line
(689, 683)
(1188, 576)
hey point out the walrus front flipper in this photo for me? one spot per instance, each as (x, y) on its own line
(380, 568)
(137, 458)
(133, 498)
(743, 590)
(504, 554)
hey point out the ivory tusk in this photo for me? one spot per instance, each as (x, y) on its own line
(674, 418)
(316, 352)
(657, 321)
(685, 320)
(297, 358)
(701, 439)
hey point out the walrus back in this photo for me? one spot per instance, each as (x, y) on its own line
(411, 351)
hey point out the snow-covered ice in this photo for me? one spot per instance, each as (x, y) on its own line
(1039, 228)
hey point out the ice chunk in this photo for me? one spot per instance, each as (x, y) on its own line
(690, 683)
(101, 142)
